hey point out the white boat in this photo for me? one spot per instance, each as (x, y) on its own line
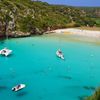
(60, 54)
(18, 87)
(6, 52)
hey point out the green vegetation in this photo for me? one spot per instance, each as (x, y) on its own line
(37, 17)
(97, 21)
(96, 95)
(94, 13)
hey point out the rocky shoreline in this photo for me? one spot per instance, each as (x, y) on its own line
(73, 31)
(19, 34)
(16, 35)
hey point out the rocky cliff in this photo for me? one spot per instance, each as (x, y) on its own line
(25, 17)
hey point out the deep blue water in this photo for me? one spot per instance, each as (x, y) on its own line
(47, 77)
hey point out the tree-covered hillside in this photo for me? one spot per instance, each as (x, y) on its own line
(94, 13)
(27, 17)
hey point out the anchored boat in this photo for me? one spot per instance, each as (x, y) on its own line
(60, 54)
(6, 52)
(18, 87)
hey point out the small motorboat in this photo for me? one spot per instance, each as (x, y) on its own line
(60, 54)
(6, 52)
(18, 87)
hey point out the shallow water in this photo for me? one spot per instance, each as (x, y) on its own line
(47, 77)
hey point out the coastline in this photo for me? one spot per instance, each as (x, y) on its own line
(78, 32)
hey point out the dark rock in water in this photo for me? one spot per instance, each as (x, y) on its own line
(64, 77)
(21, 94)
(82, 97)
(3, 88)
(93, 88)
(89, 88)
(32, 44)
(2, 42)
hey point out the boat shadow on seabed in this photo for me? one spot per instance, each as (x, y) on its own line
(21, 94)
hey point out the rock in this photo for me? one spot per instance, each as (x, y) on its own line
(37, 31)
(17, 34)
(48, 29)
(89, 87)
(1, 30)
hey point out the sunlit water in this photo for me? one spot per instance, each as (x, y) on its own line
(47, 77)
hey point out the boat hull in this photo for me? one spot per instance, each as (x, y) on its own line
(60, 55)
(22, 86)
(6, 52)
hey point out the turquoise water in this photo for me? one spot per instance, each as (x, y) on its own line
(47, 77)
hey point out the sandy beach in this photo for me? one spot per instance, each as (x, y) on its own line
(79, 32)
